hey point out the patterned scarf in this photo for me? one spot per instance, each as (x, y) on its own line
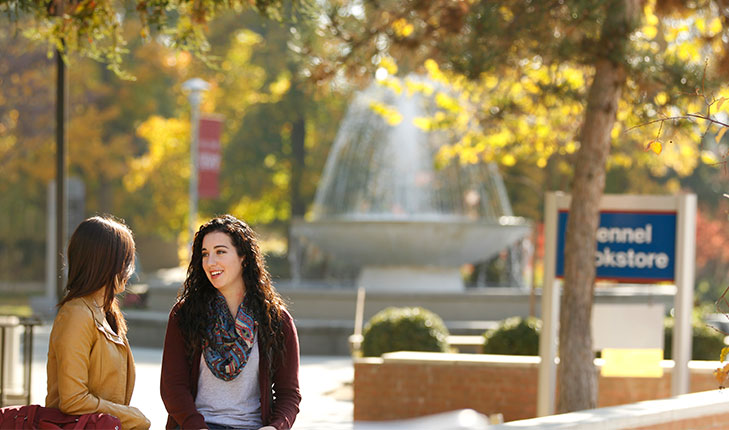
(229, 342)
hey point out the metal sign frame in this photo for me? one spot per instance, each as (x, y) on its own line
(684, 205)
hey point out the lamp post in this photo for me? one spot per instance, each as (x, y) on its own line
(61, 170)
(194, 88)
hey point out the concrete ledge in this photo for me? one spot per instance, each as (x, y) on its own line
(466, 344)
(323, 337)
(418, 357)
(696, 366)
(663, 413)
(308, 323)
(31, 287)
(440, 358)
(473, 304)
(457, 343)
(368, 360)
(325, 314)
(146, 328)
(147, 316)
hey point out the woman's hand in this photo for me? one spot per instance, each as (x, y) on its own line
(268, 428)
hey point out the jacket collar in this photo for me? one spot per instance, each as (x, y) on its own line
(100, 320)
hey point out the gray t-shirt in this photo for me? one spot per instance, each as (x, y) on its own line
(235, 403)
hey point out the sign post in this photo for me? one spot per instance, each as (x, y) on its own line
(550, 310)
(641, 239)
(683, 302)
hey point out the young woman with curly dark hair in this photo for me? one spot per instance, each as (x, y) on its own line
(231, 351)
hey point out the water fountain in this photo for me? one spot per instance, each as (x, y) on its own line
(383, 204)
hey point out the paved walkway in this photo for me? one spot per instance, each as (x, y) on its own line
(325, 387)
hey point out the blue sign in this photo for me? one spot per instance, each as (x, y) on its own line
(632, 247)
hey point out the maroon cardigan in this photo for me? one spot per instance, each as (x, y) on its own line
(280, 397)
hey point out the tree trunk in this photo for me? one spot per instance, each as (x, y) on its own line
(577, 378)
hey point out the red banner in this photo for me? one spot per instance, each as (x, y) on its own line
(209, 156)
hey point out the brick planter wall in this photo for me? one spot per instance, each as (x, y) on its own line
(407, 384)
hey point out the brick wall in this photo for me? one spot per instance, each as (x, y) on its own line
(404, 385)
(621, 391)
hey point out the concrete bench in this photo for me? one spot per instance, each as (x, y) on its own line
(462, 343)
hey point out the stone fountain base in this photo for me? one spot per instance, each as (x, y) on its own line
(440, 241)
(411, 278)
(410, 254)
(325, 314)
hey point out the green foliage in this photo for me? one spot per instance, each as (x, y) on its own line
(523, 100)
(404, 329)
(163, 172)
(14, 304)
(94, 29)
(129, 141)
(514, 336)
(278, 127)
(103, 113)
(706, 342)
(518, 336)
(22, 236)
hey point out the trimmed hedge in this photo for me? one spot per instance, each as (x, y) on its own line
(518, 336)
(514, 336)
(404, 329)
(706, 343)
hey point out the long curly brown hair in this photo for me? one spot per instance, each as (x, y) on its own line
(261, 297)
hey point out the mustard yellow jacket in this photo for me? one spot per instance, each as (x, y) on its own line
(90, 368)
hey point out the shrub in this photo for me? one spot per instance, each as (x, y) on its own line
(706, 343)
(404, 329)
(514, 336)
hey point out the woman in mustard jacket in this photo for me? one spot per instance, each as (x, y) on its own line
(90, 364)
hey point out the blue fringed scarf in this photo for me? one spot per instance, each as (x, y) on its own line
(228, 345)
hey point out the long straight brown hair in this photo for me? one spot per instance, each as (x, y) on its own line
(100, 255)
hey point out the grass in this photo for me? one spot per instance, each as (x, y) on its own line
(15, 304)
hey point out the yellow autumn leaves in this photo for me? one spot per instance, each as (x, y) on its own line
(517, 112)
(688, 38)
(500, 117)
(722, 373)
(402, 27)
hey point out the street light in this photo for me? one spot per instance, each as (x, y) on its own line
(194, 88)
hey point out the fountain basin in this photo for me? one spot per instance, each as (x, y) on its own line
(412, 242)
(388, 205)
